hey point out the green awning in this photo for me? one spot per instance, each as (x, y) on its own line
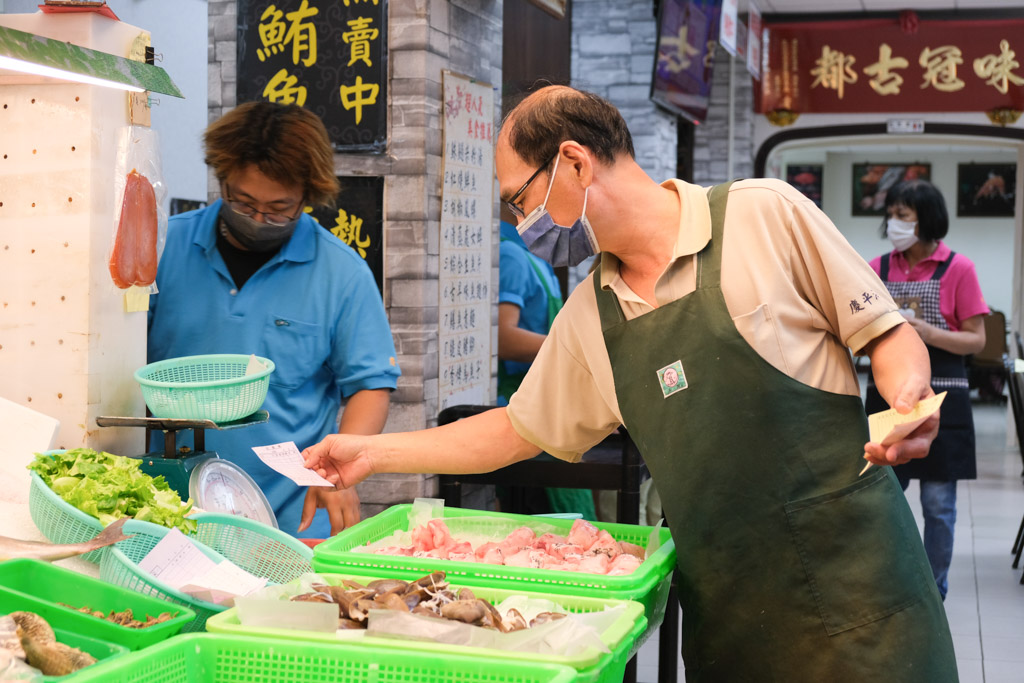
(57, 54)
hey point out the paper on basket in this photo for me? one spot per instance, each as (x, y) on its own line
(178, 563)
(564, 637)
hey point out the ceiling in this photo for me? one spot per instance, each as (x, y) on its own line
(818, 6)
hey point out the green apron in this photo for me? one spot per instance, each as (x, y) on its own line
(792, 567)
(558, 499)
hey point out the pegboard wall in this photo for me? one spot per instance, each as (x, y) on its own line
(68, 349)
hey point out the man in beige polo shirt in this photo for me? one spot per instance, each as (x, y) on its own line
(721, 339)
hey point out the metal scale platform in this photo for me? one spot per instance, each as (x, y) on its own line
(213, 484)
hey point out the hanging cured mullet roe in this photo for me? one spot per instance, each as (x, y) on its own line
(133, 258)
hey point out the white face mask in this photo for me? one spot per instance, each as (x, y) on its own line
(901, 233)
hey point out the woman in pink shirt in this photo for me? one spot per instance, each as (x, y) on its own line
(938, 292)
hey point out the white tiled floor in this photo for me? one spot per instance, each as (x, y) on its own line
(985, 603)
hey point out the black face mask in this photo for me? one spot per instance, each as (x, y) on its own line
(252, 234)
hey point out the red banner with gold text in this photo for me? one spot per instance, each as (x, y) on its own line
(885, 65)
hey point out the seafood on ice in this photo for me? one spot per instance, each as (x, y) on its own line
(586, 549)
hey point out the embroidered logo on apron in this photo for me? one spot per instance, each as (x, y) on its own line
(672, 379)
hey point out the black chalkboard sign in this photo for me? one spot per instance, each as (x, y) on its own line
(329, 56)
(358, 220)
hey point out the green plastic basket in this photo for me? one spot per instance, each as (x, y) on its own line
(255, 547)
(101, 651)
(36, 586)
(120, 567)
(649, 584)
(60, 521)
(210, 387)
(208, 658)
(592, 666)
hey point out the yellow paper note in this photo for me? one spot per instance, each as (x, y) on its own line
(889, 426)
(136, 299)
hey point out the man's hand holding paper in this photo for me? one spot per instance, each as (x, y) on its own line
(903, 432)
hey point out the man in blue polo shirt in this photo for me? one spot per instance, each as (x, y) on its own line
(252, 273)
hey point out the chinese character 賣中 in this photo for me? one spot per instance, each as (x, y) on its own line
(359, 38)
(358, 96)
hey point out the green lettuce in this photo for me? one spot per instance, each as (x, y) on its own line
(109, 487)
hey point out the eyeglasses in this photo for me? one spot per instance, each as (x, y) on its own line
(511, 203)
(241, 208)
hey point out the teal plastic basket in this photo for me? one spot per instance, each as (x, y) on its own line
(591, 665)
(120, 566)
(648, 585)
(209, 387)
(208, 658)
(60, 521)
(257, 548)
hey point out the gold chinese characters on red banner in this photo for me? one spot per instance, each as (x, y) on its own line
(874, 66)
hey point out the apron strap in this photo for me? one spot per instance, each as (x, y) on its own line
(709, 259)
(943, 267)
(608, 306)
(883, 274)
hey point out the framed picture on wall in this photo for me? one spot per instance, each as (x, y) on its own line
(871, 182)
(985, 190)
(807, 179)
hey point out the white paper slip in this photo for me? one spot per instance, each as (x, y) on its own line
(889, 426)
(286, 459)
(1018, 365)
(222, 583)
(174, 560)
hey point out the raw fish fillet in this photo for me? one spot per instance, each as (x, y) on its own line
(586, 549)
(133, 258)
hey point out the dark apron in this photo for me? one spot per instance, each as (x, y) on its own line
(793, 568)
(952, 453)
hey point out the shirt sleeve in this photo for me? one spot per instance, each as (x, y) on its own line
(836, 282)
(968, 300)
(363, 351)
(514, 275)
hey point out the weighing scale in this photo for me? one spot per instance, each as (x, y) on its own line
(213, 484)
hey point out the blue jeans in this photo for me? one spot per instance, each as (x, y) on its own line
(938, 503)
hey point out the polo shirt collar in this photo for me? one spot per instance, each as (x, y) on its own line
(939, 256)
(300, 248)
(694, 228)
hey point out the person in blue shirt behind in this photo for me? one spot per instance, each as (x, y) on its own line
(253, 274)
(529, 297)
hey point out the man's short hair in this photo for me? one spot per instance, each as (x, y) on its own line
(548, 117)
(287, 143)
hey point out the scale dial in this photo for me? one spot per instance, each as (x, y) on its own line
(218, 485)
